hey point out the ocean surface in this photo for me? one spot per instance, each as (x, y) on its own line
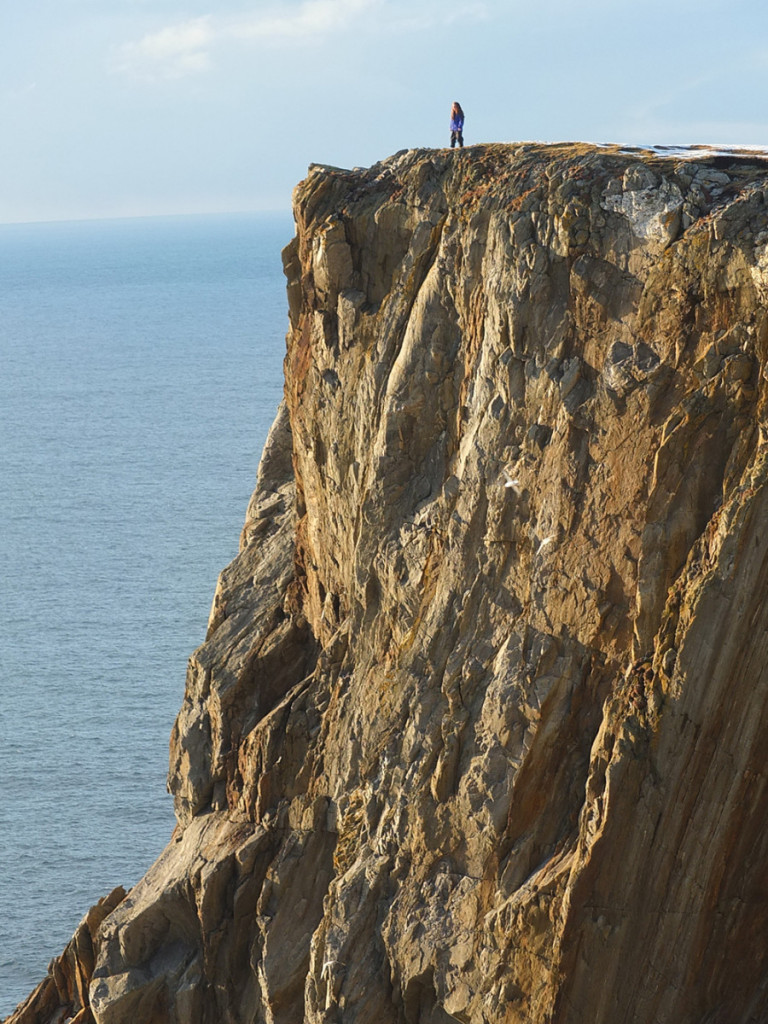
(140, 369)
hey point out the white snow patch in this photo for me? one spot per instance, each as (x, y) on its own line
(693, 152)
(652, 212)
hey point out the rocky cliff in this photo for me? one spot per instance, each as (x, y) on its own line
(479, 731)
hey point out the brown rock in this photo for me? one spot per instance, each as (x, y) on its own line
(63, 994)
(478, 732)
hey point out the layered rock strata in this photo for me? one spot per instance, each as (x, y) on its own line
(478, 731)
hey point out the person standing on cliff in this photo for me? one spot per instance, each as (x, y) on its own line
(457, 125)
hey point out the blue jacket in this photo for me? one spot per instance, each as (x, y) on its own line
(457, 123)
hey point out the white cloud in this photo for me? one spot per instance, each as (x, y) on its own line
(173, 52)
(178, 40)
(314, 17)
(425, 16)
(186, 47)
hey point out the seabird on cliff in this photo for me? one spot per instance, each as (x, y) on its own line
(509, 482)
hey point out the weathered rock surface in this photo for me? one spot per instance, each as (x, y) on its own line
(63, 995)
(479, 730)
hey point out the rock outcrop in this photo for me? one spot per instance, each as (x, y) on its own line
(64, 994)
(479, 729)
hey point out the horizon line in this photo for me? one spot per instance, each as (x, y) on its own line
(276, 210)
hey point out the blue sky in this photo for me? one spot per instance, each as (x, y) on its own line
(141, 107)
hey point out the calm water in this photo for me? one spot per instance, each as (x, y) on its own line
(140, 369)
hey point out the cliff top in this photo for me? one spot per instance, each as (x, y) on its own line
(478, 730)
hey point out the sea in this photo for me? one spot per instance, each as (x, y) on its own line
(140, 370)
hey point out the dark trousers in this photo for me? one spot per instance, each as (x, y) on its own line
(457, 137)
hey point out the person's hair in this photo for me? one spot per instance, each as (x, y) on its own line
(457, 107)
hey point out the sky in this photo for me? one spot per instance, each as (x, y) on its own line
(115, 108)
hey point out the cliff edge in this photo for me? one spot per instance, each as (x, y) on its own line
(479, 729)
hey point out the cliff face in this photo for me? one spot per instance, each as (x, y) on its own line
(478, 732)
